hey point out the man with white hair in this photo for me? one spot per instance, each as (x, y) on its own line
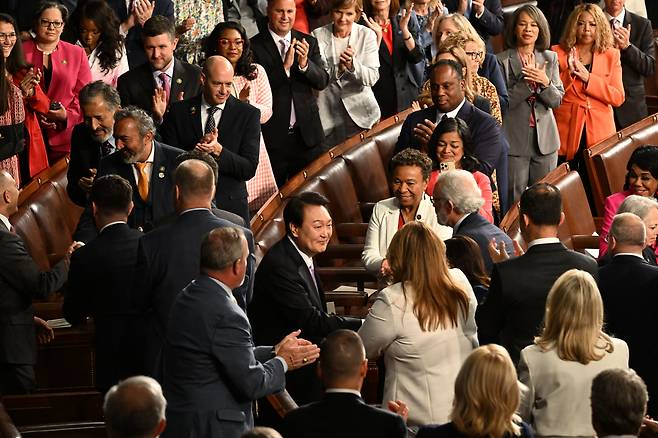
(457, 200)
(629, 288)
(135, 408)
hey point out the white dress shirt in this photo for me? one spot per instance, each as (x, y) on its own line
(543, 241)
(169, 71)
(5, 220)
(451, 114)
(204, 113)
(149, 167)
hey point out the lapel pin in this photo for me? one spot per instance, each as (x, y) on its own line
(161, 174)
(193, 110)
(64, 61)
(179, 81)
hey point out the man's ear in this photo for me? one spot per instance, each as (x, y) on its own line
(526, 219)
(294, 230)
(94, 209)
(130, 207)
(161, 427)
(561, 218)
(363, 369)
(6, 196)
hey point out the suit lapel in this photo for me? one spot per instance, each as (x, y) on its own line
(305, 274)
(226, 124)
(515, 64)
(194, 109)
(177, 82)
(157, 173)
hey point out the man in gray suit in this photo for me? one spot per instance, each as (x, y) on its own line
(211, 370)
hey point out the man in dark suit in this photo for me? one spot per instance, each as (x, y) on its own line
(21, 280)
(485, 16)
(288, 294)
(133, 16)
(219, 124)
(155, 84)
(100, 280)
(293, 135)
(212, 371)
(634, 39)
(457, 199)
(342, 412)
(514, 308)
(629, 288)
(92, 139)
(168, 256)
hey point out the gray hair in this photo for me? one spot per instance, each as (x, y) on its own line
(144, 121)
(628, 229)
(638, 205)
(108, 93)
(134, 407)
(459, 187)
(221, 248)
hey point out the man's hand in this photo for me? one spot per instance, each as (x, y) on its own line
(45, 334)
(650, 423)
(290, 56)
(622, 36)
(73, 246)
(399, 407)
(296, 352)
(385, 268)
(159, 104)
(301, 48)
(143, 10)
(498, 251)
(185, 26)
(86, 182)
(423, 131)
(477, 7)
(210, 145)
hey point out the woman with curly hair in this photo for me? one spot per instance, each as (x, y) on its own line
(250, 84)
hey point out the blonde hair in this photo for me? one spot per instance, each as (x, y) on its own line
(573, 322)
(603, 40)
(417, 259)
(346, 4)
(486, 394)
(462, 24)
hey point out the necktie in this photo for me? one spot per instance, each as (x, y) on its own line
(282, 48)
(166, 85)
(312, 270)
(210, 123)
(283, 44)
(106, 148)
(142, 181)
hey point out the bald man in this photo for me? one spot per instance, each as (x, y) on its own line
(21, 280)
(135, 408)
(223, 126)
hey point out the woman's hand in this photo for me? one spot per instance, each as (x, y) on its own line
(576, 68)
(372, 24)
(30, 81)
(532, 73)
(185, 26)
(404, 20)
(244, 93)
(346, 60)
(385, 269)
(57, 116)
(438, 11)
(143, 10)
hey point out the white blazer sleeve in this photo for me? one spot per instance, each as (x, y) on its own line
(528, 396)
(366, 63)
(378, 330)
(372, 257)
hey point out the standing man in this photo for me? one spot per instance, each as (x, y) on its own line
(212, 371)
(634, 39)
(293, 135)
(163, 79)
(92, 139)
(486, 16)
(224, 127)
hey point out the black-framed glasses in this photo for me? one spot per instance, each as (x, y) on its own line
(475, 55)
(8, 36)
(47, 23)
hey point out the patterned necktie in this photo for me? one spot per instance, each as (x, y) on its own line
(210, 123)
(282, 49)
(106, 148)
(142, 181)
(166, 85)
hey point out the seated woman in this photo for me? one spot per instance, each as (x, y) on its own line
(410, 171)
(450, 147)
(464, 254)
(571, 350)
(641, 180)
(423, 325)
(351, 57)
(486, 399)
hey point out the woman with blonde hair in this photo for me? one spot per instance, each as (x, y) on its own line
(486, 399)
(423, 325)
(571, 350)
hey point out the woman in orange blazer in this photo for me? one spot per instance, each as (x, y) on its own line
(590, 70)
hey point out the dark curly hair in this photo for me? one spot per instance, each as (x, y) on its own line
(412, 157)
(468, 161)
(245, 66)
(110, 43)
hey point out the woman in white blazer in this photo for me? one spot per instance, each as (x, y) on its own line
(410, 172)
(423, 325)
(351, 57)
(571, 350)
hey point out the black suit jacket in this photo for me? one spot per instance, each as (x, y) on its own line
(239, 135)
(137, 86)
(21, 280)
(514, 308)
(100, 285)
(85, 154)
(629, 288)
(482, 231)
(168, 259)
(489, 24)
(298, 88)
(485, 131)
(134, 47)
(637, 62)
(342, 415)
(286, 299)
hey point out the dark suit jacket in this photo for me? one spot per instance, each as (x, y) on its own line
(514, 309)
(489, 24)
(238, 133)
(134, 47)
(629, 288)
(637, 62)
(222, 214)
(449, 430)
(85, 155)
(298, 88)
(137, 86)
(100, 281)
(168, 259)
(286, 299)
(486, 133)
(482, 231)
(21, 280)
(212, 371)
(342, 415)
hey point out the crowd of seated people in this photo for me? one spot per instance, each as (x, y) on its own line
(171, 157)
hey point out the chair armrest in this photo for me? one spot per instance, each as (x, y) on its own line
(282, 403)
(341, 251)
(583, 242)
(347, 299)
(345, 274)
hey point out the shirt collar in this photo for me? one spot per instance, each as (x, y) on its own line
(619, 18)
(628, 254)
(169, 71)
(543, 241)
(109, 225)
(152, 154)
(193, 209)
(5, 220)
(342, 391)
(277, 38)
(459, 222)
(224, 287)
(452, 114)
(205, 105)
(307, 260)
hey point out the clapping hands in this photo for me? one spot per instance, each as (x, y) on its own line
(576, 67)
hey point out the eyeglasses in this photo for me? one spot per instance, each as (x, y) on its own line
(226, 42)
(47, 23)
(8, 36)
(475, 55)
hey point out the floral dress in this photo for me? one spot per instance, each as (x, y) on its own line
(14, 114)
(207, 13)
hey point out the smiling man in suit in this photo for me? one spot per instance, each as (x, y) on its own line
(164, 79)
(293, 135)
(228, 129)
